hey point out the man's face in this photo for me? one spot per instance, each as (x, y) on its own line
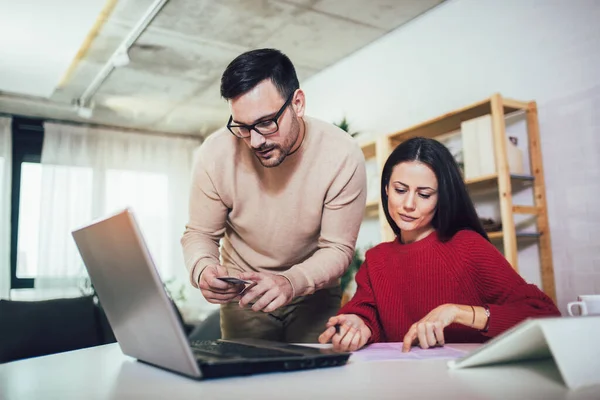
(262, 103)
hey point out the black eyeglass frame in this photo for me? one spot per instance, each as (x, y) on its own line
(275, 120)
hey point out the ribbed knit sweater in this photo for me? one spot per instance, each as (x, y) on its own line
(398, 284)
(299, 219)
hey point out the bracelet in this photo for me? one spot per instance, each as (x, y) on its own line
(487, 314)
(473, 323)
(200, 276)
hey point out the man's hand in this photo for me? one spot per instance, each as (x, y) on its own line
(347, 332)
(429, 331)
(214, 290)
(270, 292)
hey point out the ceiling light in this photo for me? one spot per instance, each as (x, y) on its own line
(82, 109)
(120, 58)
(85, 112)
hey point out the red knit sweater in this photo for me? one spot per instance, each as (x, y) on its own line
(399, 284)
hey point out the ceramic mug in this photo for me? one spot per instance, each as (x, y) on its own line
(589, 304)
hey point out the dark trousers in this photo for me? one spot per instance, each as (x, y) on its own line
(301, 321)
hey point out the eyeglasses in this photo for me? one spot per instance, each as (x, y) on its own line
(265, 127)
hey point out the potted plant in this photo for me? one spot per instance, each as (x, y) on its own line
(348, 276)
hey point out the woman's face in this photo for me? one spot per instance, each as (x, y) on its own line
(412, 199)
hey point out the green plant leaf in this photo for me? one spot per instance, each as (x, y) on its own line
(345, 126)
(352, 269)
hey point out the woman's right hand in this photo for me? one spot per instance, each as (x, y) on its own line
(353, 332)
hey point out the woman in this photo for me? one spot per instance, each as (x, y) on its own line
(441, 280)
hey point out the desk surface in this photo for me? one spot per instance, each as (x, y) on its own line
(105, 373)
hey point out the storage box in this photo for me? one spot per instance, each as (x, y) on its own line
(478, 149)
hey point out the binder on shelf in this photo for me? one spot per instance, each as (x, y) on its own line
(478, 149)
(373, 181)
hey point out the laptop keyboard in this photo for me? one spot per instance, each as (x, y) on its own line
(231, 350)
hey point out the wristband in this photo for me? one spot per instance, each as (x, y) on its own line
(487, 314)
(473, 322)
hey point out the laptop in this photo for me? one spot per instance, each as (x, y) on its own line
(146, 324)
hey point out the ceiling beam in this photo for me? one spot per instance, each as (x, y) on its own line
(117, 57)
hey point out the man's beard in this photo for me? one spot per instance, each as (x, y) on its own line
(280, 152)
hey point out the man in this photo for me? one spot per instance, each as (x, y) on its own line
(286, 193)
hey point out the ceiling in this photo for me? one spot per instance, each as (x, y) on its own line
(171, 83)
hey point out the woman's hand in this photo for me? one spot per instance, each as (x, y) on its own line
(352, 335)
(429, 331)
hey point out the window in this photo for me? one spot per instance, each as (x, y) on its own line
(49, 201)
(29, 218)
(147, 194)
(60, 200)
(28, 136)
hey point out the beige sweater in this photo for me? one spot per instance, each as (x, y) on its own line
(299, 219)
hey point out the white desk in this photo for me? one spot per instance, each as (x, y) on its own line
(105, 373)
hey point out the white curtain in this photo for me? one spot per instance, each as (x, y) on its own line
(5, 185)
(87, 173)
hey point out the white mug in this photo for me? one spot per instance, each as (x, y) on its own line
(589, 304)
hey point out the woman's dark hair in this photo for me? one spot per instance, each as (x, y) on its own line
(249, 69)
(455, 210)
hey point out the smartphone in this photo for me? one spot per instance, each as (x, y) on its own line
(234, 281)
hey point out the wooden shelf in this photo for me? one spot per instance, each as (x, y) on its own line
(372, 208)
(491, 181)
(503, 183)
(529, 210)
(520, 235)
(451, 121)
(369, 149)
(484, 183)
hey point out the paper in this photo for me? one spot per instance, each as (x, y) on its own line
(393, 351)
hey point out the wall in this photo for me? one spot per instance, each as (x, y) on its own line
(463, 51)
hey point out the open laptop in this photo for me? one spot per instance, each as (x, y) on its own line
(146, 324)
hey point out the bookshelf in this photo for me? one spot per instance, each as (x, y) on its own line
(502, 182)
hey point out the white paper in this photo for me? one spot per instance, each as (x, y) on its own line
(393, 351)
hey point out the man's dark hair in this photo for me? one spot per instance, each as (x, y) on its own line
(455, 210)
(249, 69)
